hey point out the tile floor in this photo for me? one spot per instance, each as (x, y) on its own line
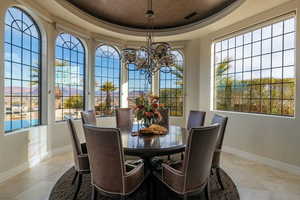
(254, 181)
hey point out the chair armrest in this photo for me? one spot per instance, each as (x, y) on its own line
(173, 178)
(132, 164)
(135, 169)
(134, 178)
(171, 169)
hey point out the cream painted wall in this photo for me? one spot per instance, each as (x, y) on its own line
(277, 138)
(192, 52)
(26, 147)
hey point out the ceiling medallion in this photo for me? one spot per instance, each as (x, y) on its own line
(151, 58)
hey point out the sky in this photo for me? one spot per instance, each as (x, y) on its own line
(270, 47)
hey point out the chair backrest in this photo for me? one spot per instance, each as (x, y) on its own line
(76, 146)
(124, 118)
(106, 158)
(198, 156)
(196, 119)
(89, 117)
(165, 117)
(222, 121)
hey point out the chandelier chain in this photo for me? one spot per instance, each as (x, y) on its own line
(151, 58)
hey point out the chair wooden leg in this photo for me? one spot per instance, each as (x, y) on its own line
(219, 178)
(150, 189)
(75, 177)
(123, 197)
(211, 172)
(185, 197)
(78, 186)
(207, 191)
(169, 157)
(94, 193)
(182, 156)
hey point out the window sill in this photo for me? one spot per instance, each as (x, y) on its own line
(23, 130)
(254, 114)
(105, 117)
(176, 117)
(64, 121)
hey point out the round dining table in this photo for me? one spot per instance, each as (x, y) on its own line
(147, 146)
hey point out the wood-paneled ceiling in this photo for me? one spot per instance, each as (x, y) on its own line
(168, 13)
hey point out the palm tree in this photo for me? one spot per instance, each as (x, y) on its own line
(178, 73)
(108, 87)
(74, 102)
(227, 82)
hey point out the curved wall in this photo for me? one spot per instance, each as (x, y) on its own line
(270, 137)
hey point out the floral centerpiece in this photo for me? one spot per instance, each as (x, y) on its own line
(147, 109)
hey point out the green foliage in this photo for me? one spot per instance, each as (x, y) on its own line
(178, 73)
(222, 67)
(74, 102)
(108, 87)
(254, 95)
(172, 98)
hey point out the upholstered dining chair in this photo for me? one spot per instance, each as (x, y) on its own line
(80, 155)
(124, 118)
(89, 117)
(191, 175)
(222, 121)
(165, 117)
(110, 175)
(196, 119)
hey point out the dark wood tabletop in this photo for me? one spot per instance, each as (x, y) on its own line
(146, 146)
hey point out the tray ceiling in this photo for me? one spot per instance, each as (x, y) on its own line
(168, 13)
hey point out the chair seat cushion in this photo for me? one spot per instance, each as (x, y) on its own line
(157, 162)
(132, 164)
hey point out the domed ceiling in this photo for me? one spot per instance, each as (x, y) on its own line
(167, 13)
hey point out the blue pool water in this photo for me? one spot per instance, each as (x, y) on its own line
(18, 124)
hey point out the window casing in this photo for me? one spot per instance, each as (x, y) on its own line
(107, 80)
(255, 71)
(69, 77)
(137, 84)
(22, 43)
(171, 82)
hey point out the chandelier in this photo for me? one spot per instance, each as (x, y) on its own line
(151, 58)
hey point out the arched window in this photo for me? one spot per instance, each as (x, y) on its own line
(69, 77)
(22, 43)
(171, 86)
(137, 84)
(107, 80)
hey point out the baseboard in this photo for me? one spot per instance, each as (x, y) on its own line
(263, 160)
(32, 162)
